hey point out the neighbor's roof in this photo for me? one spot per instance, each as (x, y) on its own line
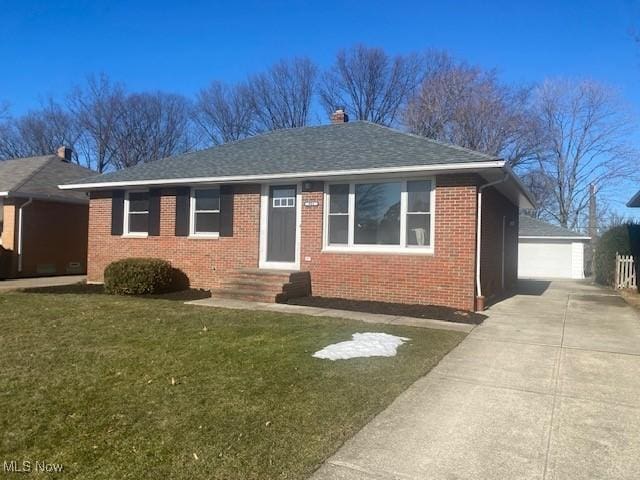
(534, 228)
(39, 177)
(635, 200)
(307, 151)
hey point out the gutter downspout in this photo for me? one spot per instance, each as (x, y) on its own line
(479, 297)
(20, 233)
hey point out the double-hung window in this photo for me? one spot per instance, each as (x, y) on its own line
(338, 214)
(380, 215)
(419, 213)
(137, 213)
(205, 212)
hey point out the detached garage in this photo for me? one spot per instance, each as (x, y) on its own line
(549, 251)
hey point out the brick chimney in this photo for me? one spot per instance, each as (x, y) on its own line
(65, 153)
(339, 116)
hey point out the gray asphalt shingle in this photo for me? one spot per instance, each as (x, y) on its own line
(531, 227)
(347, 146)
(40, 176)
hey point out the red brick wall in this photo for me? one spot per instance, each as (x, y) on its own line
(204, 261)
(494, 207)
(444, 278)
(54, 234)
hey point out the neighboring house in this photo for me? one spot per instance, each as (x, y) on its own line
(635, 200)
(362, 211)
(43, 230)
(549, 251)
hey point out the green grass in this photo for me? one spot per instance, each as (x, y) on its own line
(86, 381)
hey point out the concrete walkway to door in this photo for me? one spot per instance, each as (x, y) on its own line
(547, 388)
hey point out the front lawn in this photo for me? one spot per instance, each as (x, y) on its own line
(136, 388)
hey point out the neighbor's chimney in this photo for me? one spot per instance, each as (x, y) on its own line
(65, 153)
(339, 116)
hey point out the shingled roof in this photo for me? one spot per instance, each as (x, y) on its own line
(326, 148)
(531, 227)
(40, 176)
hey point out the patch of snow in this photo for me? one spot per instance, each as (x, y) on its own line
(367, 344)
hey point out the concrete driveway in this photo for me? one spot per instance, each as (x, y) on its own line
(547, 388)
(36, 282)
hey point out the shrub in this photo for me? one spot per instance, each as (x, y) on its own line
(623, 239)
(138, 276)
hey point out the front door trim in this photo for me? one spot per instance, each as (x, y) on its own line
(264, 227)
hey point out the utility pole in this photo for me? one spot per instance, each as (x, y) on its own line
(592, 228)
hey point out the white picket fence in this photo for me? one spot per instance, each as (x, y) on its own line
(626, 272)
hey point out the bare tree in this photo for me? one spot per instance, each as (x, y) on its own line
(541, 187)
(4, 110)
(281, 96)
(469, 106)
(97, 106)
(583, 139)
(224, 113)
(149, 126)
(39, 132)
(370, 84)
(612, 219)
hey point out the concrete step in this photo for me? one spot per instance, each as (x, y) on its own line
(242, 282)
(244, 294)
(265, 285)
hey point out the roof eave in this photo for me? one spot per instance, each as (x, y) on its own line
(521, 187)
(553, 237)
(635, 201)
(44, 197)
(441, 168)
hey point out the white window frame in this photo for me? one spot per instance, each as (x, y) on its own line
(126, 231)
(283, 202)
(192, 213)
(402, 248)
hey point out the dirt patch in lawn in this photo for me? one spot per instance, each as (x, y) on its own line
(418, 311)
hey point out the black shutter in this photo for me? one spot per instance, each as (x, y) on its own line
(182, 211)
(117, 212)
(226, 211)
(154, 211)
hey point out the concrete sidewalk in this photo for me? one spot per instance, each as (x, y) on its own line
(19, 283)
(547, 388)
(328, 312)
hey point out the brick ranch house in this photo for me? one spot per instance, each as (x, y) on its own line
(358, 210)
(43, 230)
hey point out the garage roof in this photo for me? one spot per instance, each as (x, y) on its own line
(39, 177)
(534, 228)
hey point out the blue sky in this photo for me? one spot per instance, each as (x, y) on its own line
(47, 46)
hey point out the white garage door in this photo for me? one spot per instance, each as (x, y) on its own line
(550, 259)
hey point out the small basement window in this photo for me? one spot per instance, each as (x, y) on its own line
(205, 212)
(137, 213)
